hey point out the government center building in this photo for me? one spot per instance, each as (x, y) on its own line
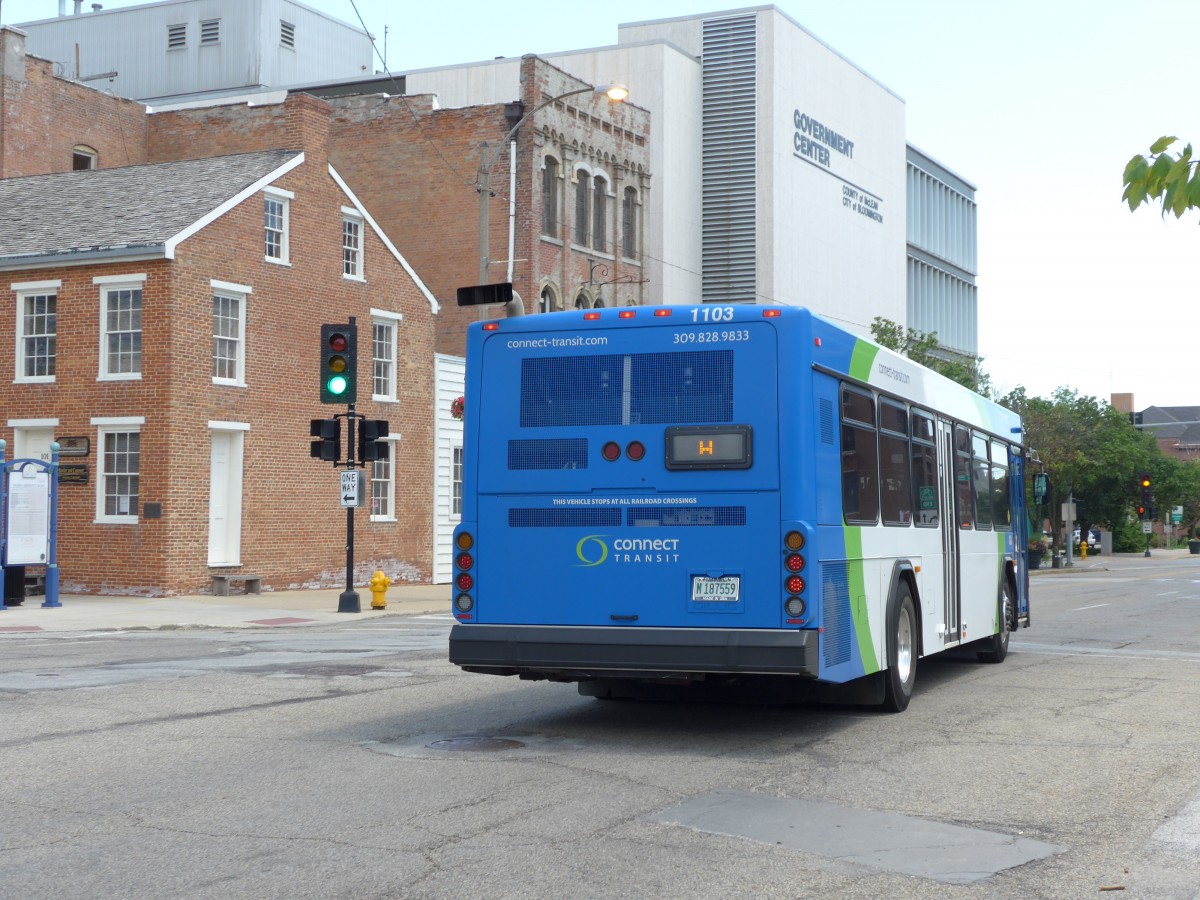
(780, 173)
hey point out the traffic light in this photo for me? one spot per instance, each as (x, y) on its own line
(1147, 492)
(371, 443)
(339, 363)
(328, 443)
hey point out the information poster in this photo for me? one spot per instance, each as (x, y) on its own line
(28, 517)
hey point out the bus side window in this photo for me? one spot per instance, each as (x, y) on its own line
(962, 478)
(860, 459)
(1001, 513)
(895, 494)
(981, 470)
(924, 469)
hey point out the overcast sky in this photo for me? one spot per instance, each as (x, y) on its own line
(1039, 103)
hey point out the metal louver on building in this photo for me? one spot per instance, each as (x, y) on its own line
(730, 140)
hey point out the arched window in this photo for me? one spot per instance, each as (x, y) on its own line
(583, 186)
(600, 196)
(599, 304)
(629, 224)
(581, 300)
(550, 197)
(546, 303)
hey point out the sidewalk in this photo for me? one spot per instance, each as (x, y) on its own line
(1097, 562)
(81, 612)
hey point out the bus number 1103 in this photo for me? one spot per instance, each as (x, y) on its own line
(712, 314)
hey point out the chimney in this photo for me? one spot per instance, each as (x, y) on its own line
(78, 6)
(62, 7)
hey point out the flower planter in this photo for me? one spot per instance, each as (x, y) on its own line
(1194, 548)
(1035, 560)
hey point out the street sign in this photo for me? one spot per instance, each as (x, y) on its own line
(1177, 515)
(1147, 527)
(349, 484)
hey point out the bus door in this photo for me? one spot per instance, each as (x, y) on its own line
(948, 516)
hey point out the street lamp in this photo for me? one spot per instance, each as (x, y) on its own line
(614, 92)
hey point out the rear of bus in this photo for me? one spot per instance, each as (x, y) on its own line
(622, 514)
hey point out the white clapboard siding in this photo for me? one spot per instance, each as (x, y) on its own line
(450, 377)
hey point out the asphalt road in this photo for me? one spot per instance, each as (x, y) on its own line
(352, 760)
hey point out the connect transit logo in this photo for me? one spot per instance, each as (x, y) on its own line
(591, 550)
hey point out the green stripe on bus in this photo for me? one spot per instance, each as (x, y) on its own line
(861, 360)
(856, 582)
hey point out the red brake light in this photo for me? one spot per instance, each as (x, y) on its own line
(464, 582)
(662, 312)
(590, 316)
(490, 326)
(771, 313)
(794, 584)
(636, 450)
(795, 563)
(464, 561)
(611, 451)
(626, 314)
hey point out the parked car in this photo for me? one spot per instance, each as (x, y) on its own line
(1093, 537)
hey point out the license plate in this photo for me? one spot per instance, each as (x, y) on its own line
(724, 589)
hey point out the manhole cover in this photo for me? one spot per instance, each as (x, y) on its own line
(476, 743)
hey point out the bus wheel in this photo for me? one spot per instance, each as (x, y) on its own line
(901, 673)
(995, 648)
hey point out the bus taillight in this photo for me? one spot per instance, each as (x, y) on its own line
(465, 561)
(463, 603)
(794, 562)
(794, 584)
(795, 607)
(464, 540)
(794, 540)
(464, 581)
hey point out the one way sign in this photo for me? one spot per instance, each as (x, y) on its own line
(351, 487)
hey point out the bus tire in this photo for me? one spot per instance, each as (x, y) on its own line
(995, 648)
(901, 674)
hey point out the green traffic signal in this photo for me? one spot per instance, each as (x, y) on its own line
(339, 363)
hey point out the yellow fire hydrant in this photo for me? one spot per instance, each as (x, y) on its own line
(379, 585)
(1083, 546)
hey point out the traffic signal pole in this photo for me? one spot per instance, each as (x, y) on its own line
(348, 600)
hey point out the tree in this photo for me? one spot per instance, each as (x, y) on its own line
(922, 347)
(1092, 452)
(1171, 178)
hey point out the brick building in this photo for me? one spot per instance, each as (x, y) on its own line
(165, 318)
(565, 212)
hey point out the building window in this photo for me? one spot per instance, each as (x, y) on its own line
(383, 486)
(84, 158)
(456, 481)
(599, 214)
(383, 356)
(629, 224)
(120, 326)
(583, 186)
(229, 333)
(177, 36)
(550, 197)
(119, 442)
(547, 303)
(352, 262)
(287, 34)
(275, 225)
(37, 332)
(210, 32)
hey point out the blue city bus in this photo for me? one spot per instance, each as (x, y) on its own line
(719, 493)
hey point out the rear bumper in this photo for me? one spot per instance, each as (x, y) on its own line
(572, 652)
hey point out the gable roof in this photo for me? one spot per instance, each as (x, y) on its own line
(1178, 423)
(129, 211)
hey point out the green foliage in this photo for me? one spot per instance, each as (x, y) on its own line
(922, 347)
(1172, 179)
(1093, 452)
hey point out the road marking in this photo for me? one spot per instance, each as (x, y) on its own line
(1097, 606)
(1167, 594)
(1106, 652)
